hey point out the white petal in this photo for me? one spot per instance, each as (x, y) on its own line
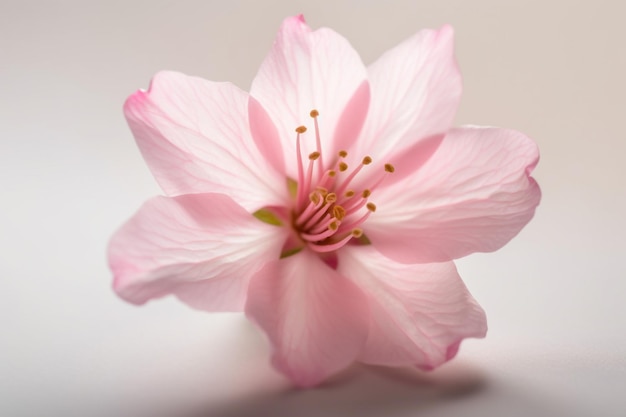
(420, 312)
(473, 195)
(415, 92)
(195, 137)
(204, 242)
(315, 318)
(308, 70)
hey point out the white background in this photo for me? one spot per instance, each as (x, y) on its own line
(70, 174)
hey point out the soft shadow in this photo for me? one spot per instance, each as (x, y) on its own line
(360, 391)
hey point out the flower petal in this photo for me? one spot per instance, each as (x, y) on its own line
(308, 70)
(197, 242)
(420, 312)
(473, 195)
(416, 89)
(316, 319)
(195, 136)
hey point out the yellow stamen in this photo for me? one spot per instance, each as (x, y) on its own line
(314, 155)
(301, 129)
(339, 213)
(389, 168)
(323, 191)
(349, 193)
(314, 113)
(366, 193)
(343, 166)
(343, 154)
(357, 233)
(367, 160)
(333, 226)
(314, 197)
(330, 198)
(371, 207)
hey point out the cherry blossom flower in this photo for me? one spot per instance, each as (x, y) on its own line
(328, 203)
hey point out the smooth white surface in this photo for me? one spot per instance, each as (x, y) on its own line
(70, 174)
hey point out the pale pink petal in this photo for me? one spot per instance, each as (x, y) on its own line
(420, 312)
(308, 70)
(315, 318)
(416, 89)
(265, 135)
(473, 195)
(195, 137)
(201, 242)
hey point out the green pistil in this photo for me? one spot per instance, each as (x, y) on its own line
(267, 216)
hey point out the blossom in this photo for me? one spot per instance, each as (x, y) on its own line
(328, 203)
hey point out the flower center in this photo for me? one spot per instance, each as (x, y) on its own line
(327, 212)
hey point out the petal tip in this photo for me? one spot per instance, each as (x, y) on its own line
(452, 350)
(126, 291)
(134, 102)
(122, 285)
(140, 96)
(295, 22)
(298, 379)
(447, 31)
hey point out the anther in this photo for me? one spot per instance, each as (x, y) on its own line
(315, 197)
(389, 169)
(327, 179)
(346, 182)
(323, 191)
(318, 142)
(328, 211)
(339, 213)
(330, 198)
(300, 191)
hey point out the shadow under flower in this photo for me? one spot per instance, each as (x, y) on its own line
(360, 391)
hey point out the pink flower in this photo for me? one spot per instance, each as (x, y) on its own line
(336, 241)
